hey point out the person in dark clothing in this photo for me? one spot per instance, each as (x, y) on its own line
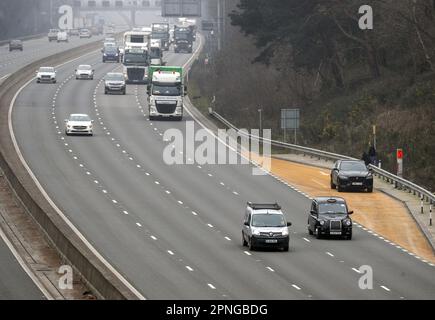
(366, 158)
(372, 155)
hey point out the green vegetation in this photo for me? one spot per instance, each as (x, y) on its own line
(313, 56)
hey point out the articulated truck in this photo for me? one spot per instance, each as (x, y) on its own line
(136, 56)
(166, 92)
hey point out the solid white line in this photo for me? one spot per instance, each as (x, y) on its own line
(229, 239)
(296, 287)
(194, 213)
(211, 286)
(210, 225)
(51, 202)
(270, 269)
(329, 254)
(306, 240)
(385, 288)
(247, 253)
(5, 76)
(154, 238)
(25, 267)
(189, 268)
(170, 252)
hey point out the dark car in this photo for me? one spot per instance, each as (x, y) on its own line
(330, 216)
(351, 174)
(111, 54)
(15, 45)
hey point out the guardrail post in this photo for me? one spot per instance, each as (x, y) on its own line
(430, 215)
(421, 204)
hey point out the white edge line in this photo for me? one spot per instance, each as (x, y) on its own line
(26, 268)
(50, 201)
(5, 76)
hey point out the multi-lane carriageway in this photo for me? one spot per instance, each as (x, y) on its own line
(15, 283)
(175, 231)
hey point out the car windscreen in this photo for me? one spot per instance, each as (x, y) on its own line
(332, 208)
(115, 77)
(110, 50)
(84, 67)
(43, 69)
(15, 42)
(352, 166)
(268, 220)
(164, 90)
(79, 118)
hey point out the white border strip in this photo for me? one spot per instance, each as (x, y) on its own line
(44, 193)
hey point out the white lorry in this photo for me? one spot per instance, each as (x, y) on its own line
(166, 92)
(136, 57)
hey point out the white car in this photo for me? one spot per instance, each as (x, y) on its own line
(85, 33)
(62, 36)
(46, 74)
(79, 123)
(84, 71)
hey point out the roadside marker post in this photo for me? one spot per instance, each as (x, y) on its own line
(421, 204)
(430, 215)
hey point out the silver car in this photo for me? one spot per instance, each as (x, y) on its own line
(265, 226)
(114, 82)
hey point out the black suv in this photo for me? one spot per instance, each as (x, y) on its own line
(351, 174)
(330, 216)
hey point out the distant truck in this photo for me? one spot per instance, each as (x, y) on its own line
(155, 53)
(161, 31)
(166, 92)
(183, 39)
(136, 56)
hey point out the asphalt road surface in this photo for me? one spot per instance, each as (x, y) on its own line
(175, 231)
(14, 281)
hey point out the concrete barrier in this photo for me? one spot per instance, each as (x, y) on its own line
(100, 278)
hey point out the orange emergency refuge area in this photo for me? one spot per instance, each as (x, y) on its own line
(375, 211)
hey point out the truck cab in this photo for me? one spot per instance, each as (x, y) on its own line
(183, 39)
(161, 31)
(136, 62)
(166, 92)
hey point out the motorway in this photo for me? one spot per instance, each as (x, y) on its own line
(14, 281)
(175, 231)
